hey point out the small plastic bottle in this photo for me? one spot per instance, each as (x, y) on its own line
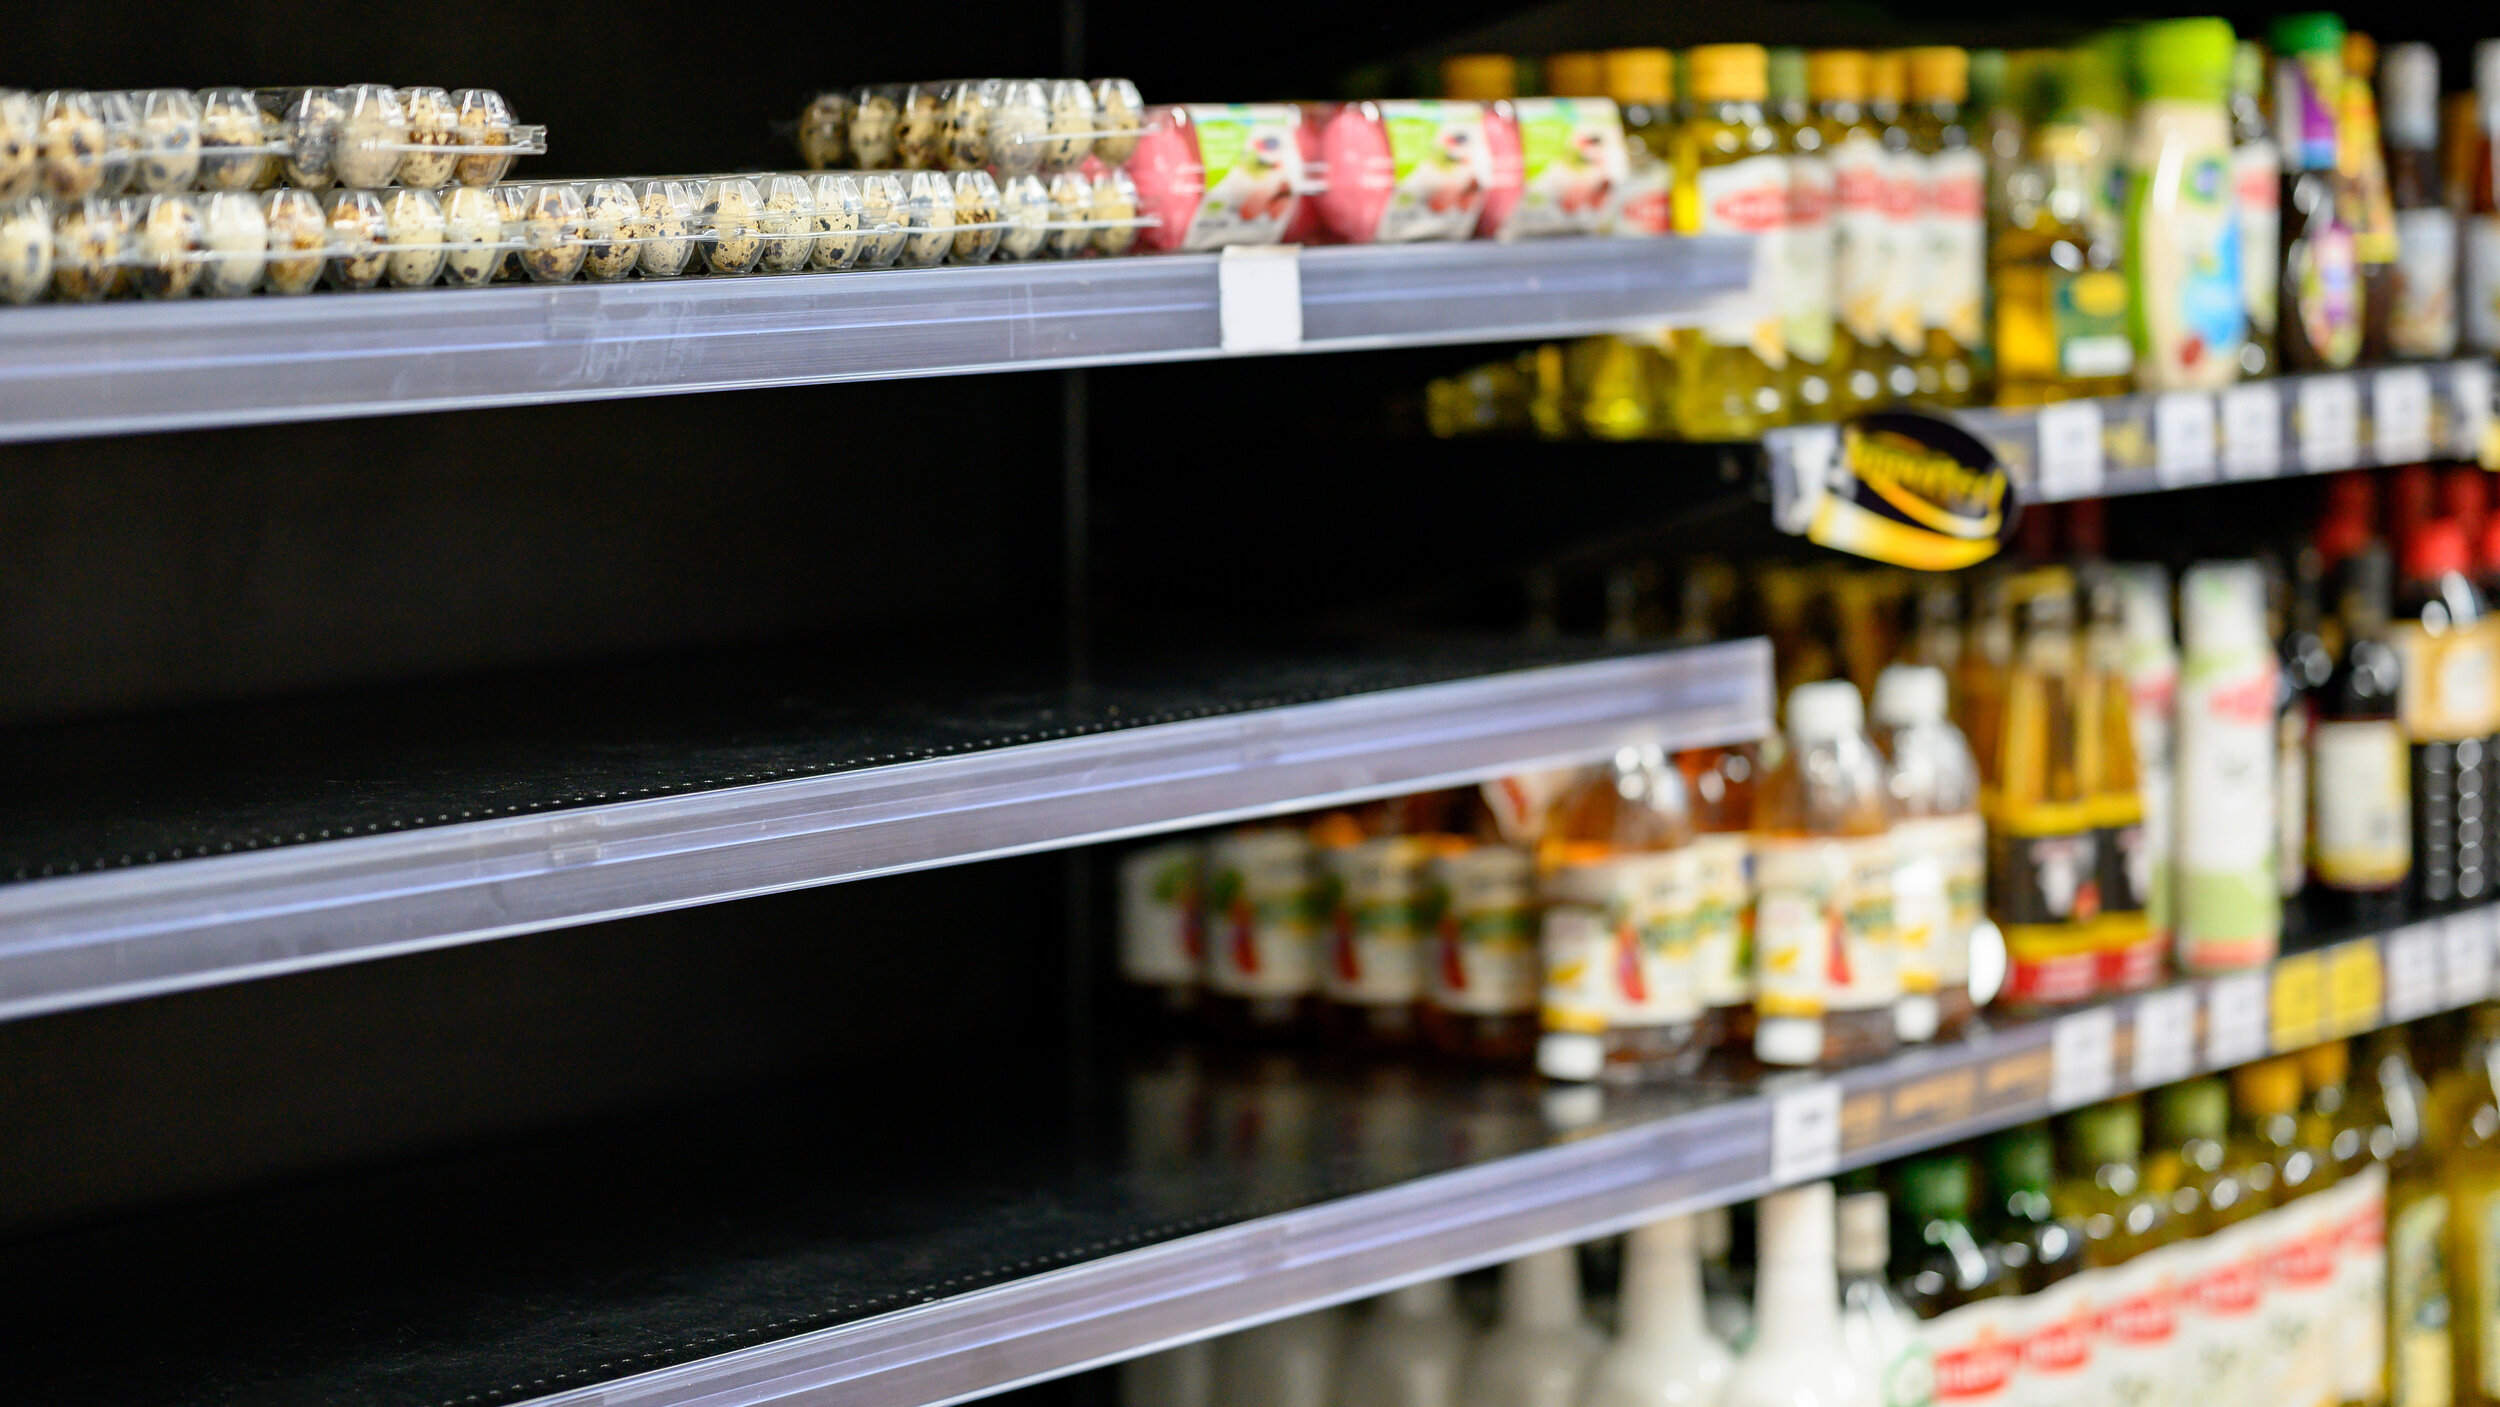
(1262, 949)
(1664, 1354)
(1481, 907)
(1793, 1360)
(1940, 849)
(1719, 783)
(1825, 977)
(2230, 912)
(1541, 1349)
(1412, 1352)
(1616, 874)
(2182, 245)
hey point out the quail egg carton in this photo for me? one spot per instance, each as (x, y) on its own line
(1006, 126)
(70, 144)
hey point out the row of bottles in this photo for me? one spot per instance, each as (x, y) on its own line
(2304, 1234)
(2168, 207)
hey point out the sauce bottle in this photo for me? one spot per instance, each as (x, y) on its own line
(1825, 980)
(2061, 298)
(2152, 665)
(1719, 785)
(2300, 1245)
(2363, 166)
(1374, 864)
(1952, 266)
(1809, 329)
(2482, 226)
(2422, 298)
(1263, 917)
(1480, 901)
(2043, 872)
(2229, 910)
(1905, 222)
(2130, 958)
(2102, 1193)
(2182, 246)
(2320, 316)
(1853, 145)
(1663, 1355)
(2257, 185)
(2361, 851)
(1792, 1361)
(2444, 639)
(1730, 179)
(1162, 940)
(1621, 998)
(2221, 1278)
(1940, 846)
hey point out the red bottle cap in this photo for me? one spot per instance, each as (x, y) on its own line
(2487, 555)
(2353, 492)
(2341, 536)
(2409, 499)
(2436, 549)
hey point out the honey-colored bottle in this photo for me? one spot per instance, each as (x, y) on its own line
(1731, 179)
(1809, 328)
(1853, 145)
(1481, 906)
(1825, 977)
(1905, 222)
(2061, 297)
(1622, 1001)
(1953, 254)
(2130, 955)
(2043, 869)
(1719, 783)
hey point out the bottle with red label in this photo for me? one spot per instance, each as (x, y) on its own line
(1826, 978)
(1642, 84)
(1957, 1286)
(2134, 1291)
(2043, 863)
(1809, 323)
(1950, 262)
(1731, 179)
(1905, 222)
(2220, 1263)
(1480, 910)
(2299, 1235)
(1162, 941)
(2348, 1121)
(1262, 942)
(1621, 997)
(1373, 877)
(2043, 1253)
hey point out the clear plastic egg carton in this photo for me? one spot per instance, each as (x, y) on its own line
(70, 144)
(1009, 127)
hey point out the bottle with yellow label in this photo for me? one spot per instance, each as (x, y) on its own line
(1826, 977)
(2126, 948)
(1853, 148)
(2061, 298)
(1621, 1000)
(1719, 783)
(2043, 863)
(1731, 179)
(1952, 254)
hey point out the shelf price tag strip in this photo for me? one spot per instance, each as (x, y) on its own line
(2071, 463)
(2329, 408)
(2252, 431)
(1805, 1132)
(2165, 1038)
(2464, 958)
(2400, 415)
(2413, 985)
(2235, 1020)
(2183, 439)
(1259, 298)
(2083, 1058)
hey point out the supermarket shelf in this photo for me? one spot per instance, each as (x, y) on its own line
(116, 368)
(2282, 427)
(758, 1258)
(350, 832)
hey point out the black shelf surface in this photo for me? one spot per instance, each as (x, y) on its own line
(157, 853)
(931, 1236)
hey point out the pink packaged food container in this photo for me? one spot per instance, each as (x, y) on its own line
(1215, 174)
(1405, 170)
(1308, 226)
(1556, 162)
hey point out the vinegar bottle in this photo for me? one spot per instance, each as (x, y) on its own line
(2043, 872)
(1730, 179)
(1940, 846)
(1412, 1352)
(2445, 642)
(2128, 954)
(1663, 1355)
(1621, 998)
(1720, 783)
(1952, 257)
(1905, 222)
(1825, 980)
(1481, 907)
(2361, 850)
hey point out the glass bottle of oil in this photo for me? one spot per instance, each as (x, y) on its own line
(1621, 998)
(2350, 1121)
(2222, 1288)
(1905, 222)
(2421, 1371)
(1809, 329)
(1853, 145)
(1731, 179)
(2468, 1102)
(2103, 1192)
(2061, 297)
(2130, 957)
(1624, 383)
(1825, 980)
(2300, 1266)
(1979, 691)
(2043, 871)
(1953, 257)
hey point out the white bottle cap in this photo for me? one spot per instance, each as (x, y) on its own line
(1825, 710)
(1788, 1040)
(1907, 695)
(1542, 1289)
(2223, 607)
(2408, 81)
(1916, 1018)
(1569, 1055)
(1865, 1241)
(1795, 1226)
(2487, 73)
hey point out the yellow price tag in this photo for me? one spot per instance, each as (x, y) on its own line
(2353, 988)
(2297, 1004)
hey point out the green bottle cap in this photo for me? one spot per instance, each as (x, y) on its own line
(1990, 79)
(1936, 1188)
(2248, 68)
(2106, 1133)
(1788, 76)
(2019, 1160)
(2185, 60)
(2096, 74)
(2193, 1109)
(2313, 33)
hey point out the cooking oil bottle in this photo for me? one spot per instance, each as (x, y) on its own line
(1824, 971)
(1853, 146)
(2044, 869)
(2061, 296)
(1625, 387)
(1621, 998)
(1953, 257)
(2103, 1191)
(2421, 1371)
(1730, 179)
(1979, 691)
(1808, 329)
(2129, 955)
(2299, 1371)
(2222, 1286)
(2350, 1122)
(1905, 222)
(2467, 1100)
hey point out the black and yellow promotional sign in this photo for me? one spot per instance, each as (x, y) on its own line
(1912, 490)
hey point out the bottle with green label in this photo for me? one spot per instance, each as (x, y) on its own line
(2061, 299)
(2183, 245)
(2319, 315)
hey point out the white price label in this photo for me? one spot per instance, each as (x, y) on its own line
(2070, 452)
(2235, 1020)
(2470, 385)
(1805, 1133)
(2252, 432)
(2165, 1038)
(2400, 415)
(2465, 957)
(2083, 1058)
(2412, 971)
(1259, 297)
(2183, 438)
(2330, 423)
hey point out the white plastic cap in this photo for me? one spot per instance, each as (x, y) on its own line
(1796, 1226)
(2487, 72)
(1865, 1241)
(1569, 1055)
(1542, 1289)
(1908, 695)
(1788, 1040)
(2223, 607)
(2408, 80)
(1825, 710)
